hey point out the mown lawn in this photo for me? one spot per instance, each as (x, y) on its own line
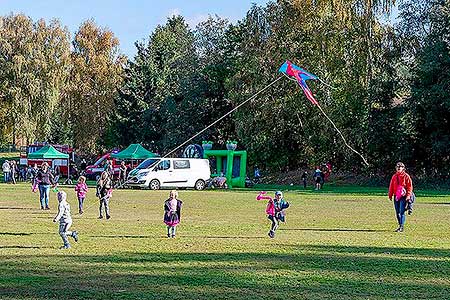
(335, 245)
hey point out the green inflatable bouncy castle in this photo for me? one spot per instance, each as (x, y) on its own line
(232, 163)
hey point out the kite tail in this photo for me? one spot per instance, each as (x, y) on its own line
(342, 136)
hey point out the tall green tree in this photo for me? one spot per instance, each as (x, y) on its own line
(429, 103)
(160, 88)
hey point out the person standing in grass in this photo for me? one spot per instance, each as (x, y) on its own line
(65, 220)
(81, 189)
(13, 171)
(401, 189)
(104, 191)
(172, 213)
(6, 170)
(276, 210)
(122, 173)
(44, 179)
(304, 179)
(318, 178)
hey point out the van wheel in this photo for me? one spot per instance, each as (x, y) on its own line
(200, 185)
(154, 185)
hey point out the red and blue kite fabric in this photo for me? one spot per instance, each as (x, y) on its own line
(301, 76)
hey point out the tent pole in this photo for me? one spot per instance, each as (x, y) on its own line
(68, 169)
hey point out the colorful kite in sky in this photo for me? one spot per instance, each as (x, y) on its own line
(300, 75)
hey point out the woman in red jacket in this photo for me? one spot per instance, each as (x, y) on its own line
(401, 188)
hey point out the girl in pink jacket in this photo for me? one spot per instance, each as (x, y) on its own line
(81, 189)
(275, 210)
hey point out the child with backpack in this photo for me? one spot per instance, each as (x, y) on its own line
(276, 210)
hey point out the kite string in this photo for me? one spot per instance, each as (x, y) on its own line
(334, 125)
(342, 136)
(326, 84)
(228, 113)
(215, 122)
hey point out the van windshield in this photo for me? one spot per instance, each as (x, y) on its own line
(149, 162)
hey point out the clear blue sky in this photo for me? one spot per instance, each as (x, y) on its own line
(130, 20)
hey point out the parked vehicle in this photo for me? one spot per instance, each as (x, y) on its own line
(94, 171)
(156, 173)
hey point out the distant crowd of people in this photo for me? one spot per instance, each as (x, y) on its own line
(320, 176)
(13, 172)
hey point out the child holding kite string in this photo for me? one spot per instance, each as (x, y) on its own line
(276, 210)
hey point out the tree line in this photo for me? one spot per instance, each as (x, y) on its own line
(388, 84)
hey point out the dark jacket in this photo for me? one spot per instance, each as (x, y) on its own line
(172, 219)
(45, 178)
(103, 187)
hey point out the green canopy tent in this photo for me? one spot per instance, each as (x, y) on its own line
(50, 153)
(134, 151)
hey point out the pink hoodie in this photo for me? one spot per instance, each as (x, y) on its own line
(270, 208)
(81, 189)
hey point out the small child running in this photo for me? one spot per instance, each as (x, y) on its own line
(65, 220)
(276, 210)
(104, 191)
(172, 213)
(81, 189)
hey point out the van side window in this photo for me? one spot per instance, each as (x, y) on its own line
(164, 165)
(181, 164)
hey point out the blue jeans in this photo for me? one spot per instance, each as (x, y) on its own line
(400, 207)
(5, 177)
(44, 193)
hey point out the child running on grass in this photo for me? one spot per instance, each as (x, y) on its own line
(172, 213)
(104, 191)
(81, 189)
(65, 220)
(276, 210)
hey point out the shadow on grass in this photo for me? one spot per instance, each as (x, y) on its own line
(304, 272)
(124, 236)
(20, 247)
(14, 208)
(227, 237)
(15, 233)
(334, 229)
(184, 236)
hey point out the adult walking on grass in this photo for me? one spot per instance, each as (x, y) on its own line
(44, 179)
(401, 189)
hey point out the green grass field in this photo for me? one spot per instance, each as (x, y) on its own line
(336, 244)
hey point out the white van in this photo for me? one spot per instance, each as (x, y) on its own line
(156, 173)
